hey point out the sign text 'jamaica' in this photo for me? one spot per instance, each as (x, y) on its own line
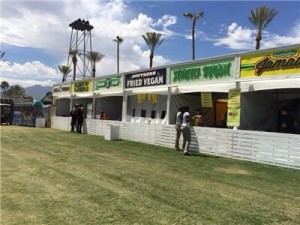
(279, 60)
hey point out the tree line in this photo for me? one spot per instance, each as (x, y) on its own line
(11, 91)
(259, 17)
(7, 91)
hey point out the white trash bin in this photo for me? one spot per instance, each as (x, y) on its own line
(111, 132)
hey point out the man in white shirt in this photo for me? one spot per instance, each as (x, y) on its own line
(178, 127)
(185, 127)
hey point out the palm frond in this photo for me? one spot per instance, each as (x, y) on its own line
(188, 15)
(118, 40)
(95, 56)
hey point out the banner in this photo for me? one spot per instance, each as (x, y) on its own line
(61, 89)
(201, 71)
(234, 107)
(206, 99)
(153, 98)
(279, 63)
(108, 83)
(82, 86)
(146, 79)
(139, 99)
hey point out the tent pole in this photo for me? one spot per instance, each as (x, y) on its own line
(168, 106)
(94, 106)
(124, 107)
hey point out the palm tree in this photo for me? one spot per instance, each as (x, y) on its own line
(4, 86)
(95, 57)
(73, 54)
(15, 90)
(153, 41)
(65, 70)
(119, 41)
(194, 18)
(260, 18)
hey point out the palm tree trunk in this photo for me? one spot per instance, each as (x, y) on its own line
(74, 60)
(151, 59)
(74, 71)
(94, 70)
(118, 57)
(258, 39)
(257, 44)
(193, 38)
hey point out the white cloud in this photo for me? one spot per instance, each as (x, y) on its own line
(237, 37)
(274, 40)
(28, 74)
(166, 21)
(243, 38)
(47, 27)
(200, 35)
(296, 30)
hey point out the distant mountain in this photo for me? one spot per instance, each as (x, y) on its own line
(37, 91)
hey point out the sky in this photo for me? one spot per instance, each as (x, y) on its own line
(35, 34)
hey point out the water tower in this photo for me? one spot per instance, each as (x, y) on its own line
(80, 46)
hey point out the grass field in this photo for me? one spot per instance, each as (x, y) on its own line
(56, 177)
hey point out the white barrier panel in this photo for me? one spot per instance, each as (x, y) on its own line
(40, 122)
(61, 123)
(263, 147)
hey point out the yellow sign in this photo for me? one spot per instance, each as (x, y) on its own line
(206, 99)
(150, 97)
(280, 63)
(234, 107)
(82, 86)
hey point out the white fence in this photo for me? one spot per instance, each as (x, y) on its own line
(263, 147)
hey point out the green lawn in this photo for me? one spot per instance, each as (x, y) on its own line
(56, 177)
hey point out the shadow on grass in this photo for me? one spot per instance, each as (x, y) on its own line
(197, 154)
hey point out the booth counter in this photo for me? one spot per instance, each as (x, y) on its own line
(252, 86)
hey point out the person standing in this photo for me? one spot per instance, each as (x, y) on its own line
(186, 133)
(106, 116)
(73, 115)
(79, 119)
(178, 127)
(198, 117)
(286, 121)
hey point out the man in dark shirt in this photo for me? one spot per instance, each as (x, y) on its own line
(80, 117)
(73, 115)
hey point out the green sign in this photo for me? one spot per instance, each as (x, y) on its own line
(108, 82)
(201, 72)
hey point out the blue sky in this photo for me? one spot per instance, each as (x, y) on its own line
(36, 34)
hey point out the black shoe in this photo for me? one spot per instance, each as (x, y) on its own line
(186, 153)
